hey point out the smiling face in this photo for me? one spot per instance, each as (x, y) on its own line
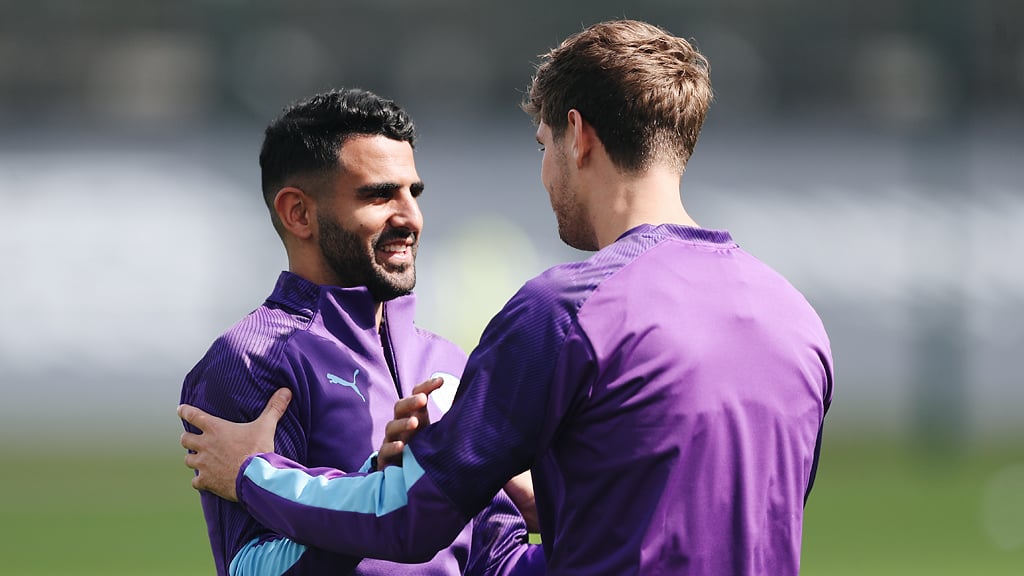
(369, 220)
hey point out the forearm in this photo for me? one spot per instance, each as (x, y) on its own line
(520, 491)
(396, 515)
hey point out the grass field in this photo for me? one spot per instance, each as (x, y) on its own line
(877, 510)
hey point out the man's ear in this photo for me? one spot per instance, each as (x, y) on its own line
(582, 135)
(296, 211)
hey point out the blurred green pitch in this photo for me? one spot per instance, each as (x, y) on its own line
(876, 510)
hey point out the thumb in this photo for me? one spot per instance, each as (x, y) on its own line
(276, 406)
(194, 416)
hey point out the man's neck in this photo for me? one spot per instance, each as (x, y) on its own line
(652, 198)
(320, 277)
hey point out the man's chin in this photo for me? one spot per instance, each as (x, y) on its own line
(386, 295)
(385, 290)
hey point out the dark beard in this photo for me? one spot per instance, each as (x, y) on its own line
(569, 213)
(348, 259)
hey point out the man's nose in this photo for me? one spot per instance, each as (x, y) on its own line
(407, 213)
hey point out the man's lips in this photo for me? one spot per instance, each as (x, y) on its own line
(397, 251)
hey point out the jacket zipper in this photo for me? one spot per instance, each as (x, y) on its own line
(389, 352)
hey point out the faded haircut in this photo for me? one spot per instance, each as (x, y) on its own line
(645, 92)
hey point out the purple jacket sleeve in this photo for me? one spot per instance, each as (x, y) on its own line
(500, 545)
(393, 515)
(396, 515)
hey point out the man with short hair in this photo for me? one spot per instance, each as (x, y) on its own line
(668, 392)
(338, 331)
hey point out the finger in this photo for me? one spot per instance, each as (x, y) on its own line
(191, 441)
(410, 405)
(410, 429)
(428, 386)
(396, 428)
(194, 416)
(198, 482)
(192, 460)
(390, 450)
(390, 454)
(421, 411)
(411, 425)
(276, 406)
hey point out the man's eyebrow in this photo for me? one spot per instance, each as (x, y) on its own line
(379, 187)
(375, 187)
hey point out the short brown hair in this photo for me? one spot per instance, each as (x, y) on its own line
(645, 91)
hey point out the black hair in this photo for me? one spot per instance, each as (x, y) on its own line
(307, 136)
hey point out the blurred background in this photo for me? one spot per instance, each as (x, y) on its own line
(869, 150)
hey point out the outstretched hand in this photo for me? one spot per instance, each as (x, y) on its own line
(410, 417)
(218, 452)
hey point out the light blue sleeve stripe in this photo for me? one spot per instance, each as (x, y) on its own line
(378, 493)
(271, 558)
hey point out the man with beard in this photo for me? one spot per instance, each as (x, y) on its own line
(668, 393)
(339, 179)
